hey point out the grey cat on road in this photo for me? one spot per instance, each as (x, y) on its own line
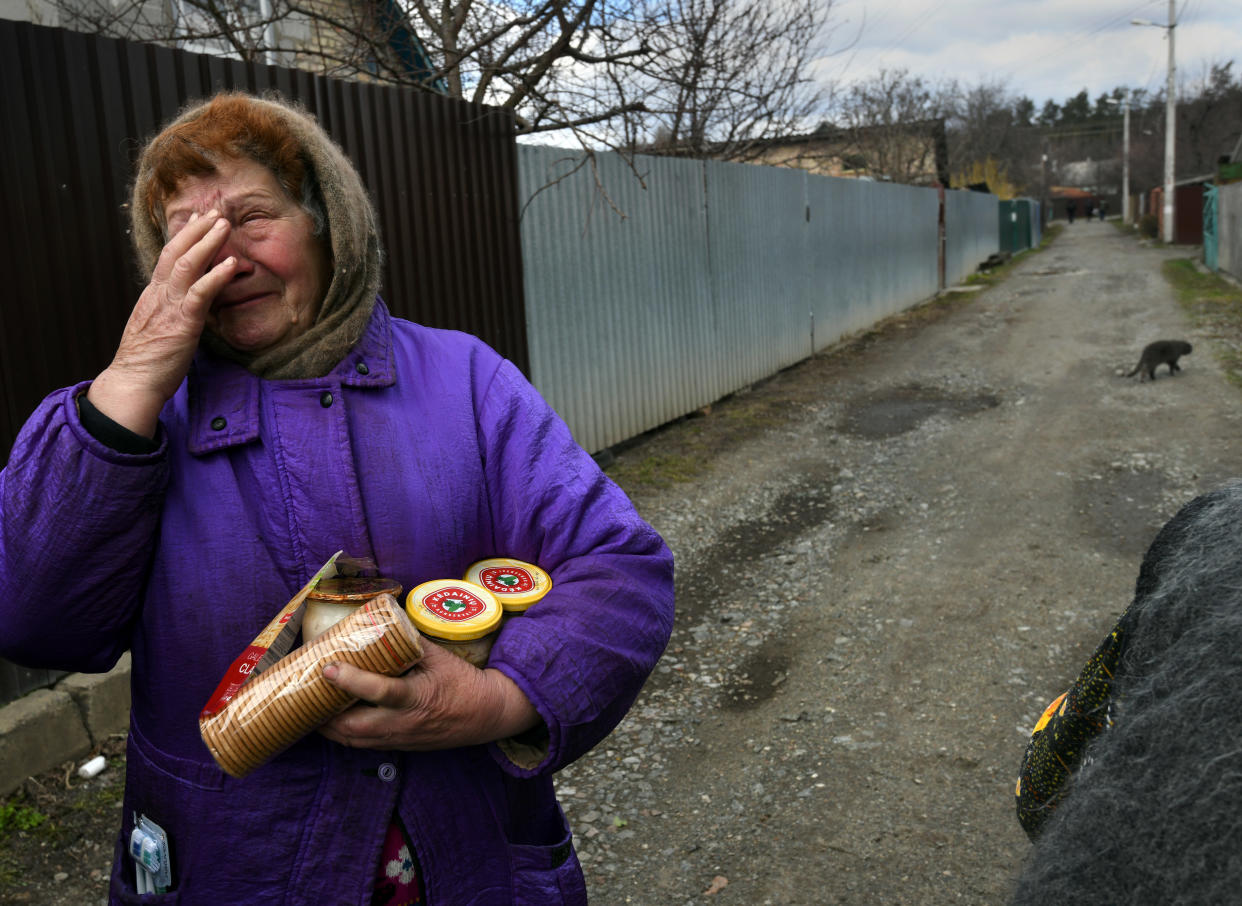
(1161, 352)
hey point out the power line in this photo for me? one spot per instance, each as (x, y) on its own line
(855, 50)
(913, 27)
(1103, 24)
(878, 55)
(1184, 15)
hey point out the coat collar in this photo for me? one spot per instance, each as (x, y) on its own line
(224, 396)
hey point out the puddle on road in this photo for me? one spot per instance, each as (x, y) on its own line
(903, 409)
(719, 587)
(1057, 272)
(721, 573)
(758, 676)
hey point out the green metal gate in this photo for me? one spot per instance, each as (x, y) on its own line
(1015, 225)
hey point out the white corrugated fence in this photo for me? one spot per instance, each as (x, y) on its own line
(713, 275)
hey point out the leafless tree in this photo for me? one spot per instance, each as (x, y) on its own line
(619, 73)
(724, 76)
(991, 129)
(1209, 119)
(891, 124)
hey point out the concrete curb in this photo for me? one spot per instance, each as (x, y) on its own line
(66, 722)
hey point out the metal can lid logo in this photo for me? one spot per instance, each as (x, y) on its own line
(516, 584)
(507, 580)
(454, 604)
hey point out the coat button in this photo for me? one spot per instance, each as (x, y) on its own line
(325, 399)
(218, 423)
(362, 368)
(387, 772)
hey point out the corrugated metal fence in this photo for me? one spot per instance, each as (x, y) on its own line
(1229, 229)
(76, 109)
(717, 275)
(970, 223)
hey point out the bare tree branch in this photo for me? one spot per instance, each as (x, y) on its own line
(679, 76)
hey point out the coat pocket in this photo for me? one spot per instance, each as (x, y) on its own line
(194, 774)
(225, 835)
(125, 893)
(547, 874)
(122, 887)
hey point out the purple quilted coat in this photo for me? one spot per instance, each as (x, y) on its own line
(423, 450)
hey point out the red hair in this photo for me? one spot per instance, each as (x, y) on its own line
(228, 126)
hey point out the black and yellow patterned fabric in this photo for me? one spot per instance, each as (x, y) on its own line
(1055, 750)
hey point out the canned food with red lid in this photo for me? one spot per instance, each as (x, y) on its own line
(516, 584)
(462, 616)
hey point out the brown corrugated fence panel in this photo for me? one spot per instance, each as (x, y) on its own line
(76, 110)
(442, 174)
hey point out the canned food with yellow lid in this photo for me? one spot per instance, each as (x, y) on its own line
(516, 584)
(460, 615)
(333, 599)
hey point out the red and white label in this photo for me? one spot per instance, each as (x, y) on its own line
(507, 580)
(454, 604)
(234, 679)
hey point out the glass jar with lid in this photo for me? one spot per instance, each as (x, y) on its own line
(516, 584)
(336, 598)
(461, 616)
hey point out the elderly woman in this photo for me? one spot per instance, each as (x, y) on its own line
(264, 410)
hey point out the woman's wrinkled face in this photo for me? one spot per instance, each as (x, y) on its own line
(283, 270)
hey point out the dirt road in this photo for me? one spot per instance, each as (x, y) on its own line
(881, 590)
(890, 558)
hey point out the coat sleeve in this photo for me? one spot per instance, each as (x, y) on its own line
(583, 652)
(77, 528)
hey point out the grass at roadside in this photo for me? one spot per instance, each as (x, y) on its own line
(18, 820)
(15, 817)
(703, 435)
(999, 273)
(1215, 306)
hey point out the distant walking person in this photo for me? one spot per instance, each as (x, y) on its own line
(1103, 208)
(1070, 210)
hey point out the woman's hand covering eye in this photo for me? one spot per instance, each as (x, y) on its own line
(165, 325)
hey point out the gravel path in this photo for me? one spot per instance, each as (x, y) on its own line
(890, 558)
(880, 590)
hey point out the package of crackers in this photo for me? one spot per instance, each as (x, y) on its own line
(268, 700)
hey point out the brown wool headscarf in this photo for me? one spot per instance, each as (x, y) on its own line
(353, 233)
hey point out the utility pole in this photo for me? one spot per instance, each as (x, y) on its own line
(1170, 129)
(1125, 154)
(1170, 124)
(1125, 159)
(269, 32)
(1044, 214)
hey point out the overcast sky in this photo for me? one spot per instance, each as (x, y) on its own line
(1044, 49)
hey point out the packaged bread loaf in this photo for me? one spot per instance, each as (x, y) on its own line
(275, 708)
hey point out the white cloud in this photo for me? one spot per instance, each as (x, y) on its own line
(1046, 49)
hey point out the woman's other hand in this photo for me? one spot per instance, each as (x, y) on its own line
(163, 330)
(442, 703)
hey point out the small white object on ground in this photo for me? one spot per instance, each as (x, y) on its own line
(92, 767)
